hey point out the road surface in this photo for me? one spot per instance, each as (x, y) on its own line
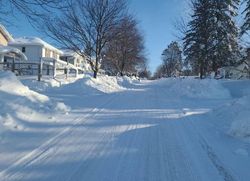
(141, 134)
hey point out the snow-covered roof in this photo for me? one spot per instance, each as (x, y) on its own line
(6, 34)
(68, 53)
(243, 66)
(8, 49)
(33, 41)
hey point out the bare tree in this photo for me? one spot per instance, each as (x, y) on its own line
(32, 9)
(172, 59)
(160, 72)
(85, 27)
(143, 69)
(125, 52)
(181, 28)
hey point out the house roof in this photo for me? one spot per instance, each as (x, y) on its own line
(243, 66)
(8, 49)
(70, 53)
(33, 41)
(5, 33)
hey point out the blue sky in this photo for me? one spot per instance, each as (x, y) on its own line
(156, 19)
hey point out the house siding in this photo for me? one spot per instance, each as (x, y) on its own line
(3, 40)
(33, 53)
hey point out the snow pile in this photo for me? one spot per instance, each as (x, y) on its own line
(89, 86)
(238, 111)
(11, 85)
(127, 82)
(240, 126)
(83, 84)
(195, 88)
(106, 84)
(234, 116)
(48, 83)
(21, 106)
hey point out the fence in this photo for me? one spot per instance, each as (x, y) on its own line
(22, 68)
(45, 67)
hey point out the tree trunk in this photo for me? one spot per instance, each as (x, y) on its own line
(96, 66)
(95, 74)
(201, 70)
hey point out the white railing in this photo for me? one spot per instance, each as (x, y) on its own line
(59, 65)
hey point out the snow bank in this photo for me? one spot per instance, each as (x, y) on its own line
(238, 111)
(106, 84)
(195, 88)
(12, 86)
(127, 82)
(234, 116)
(47, 83)
(89, 86)
(237, 88)
(240, 126)
(83, 84)
(21, 106)
(42, 86)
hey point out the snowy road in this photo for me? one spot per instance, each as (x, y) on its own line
(142, 134)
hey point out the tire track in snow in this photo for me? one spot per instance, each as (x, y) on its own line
(226, 173)
(105, 163)
(126, 159)
(177, 164)
(125, 153)
(35, 154)
(93, 151)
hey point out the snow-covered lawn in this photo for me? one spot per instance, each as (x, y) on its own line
(124, 129)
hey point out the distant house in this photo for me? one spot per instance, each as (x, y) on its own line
(35, 48)
(7, 53)
(75, 59)
(237, 72)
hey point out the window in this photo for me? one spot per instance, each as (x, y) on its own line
(55, 55)
(47, 52)
(23, 49)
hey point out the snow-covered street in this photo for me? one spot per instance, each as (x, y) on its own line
(149, 131)
(124, 90)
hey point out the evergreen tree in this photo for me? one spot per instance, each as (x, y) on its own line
(196, 41)
(212, 39)
(224, 33)
(246, 26)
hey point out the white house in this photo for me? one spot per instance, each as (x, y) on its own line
(237, 72)
(35, 48)
(75, 59)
